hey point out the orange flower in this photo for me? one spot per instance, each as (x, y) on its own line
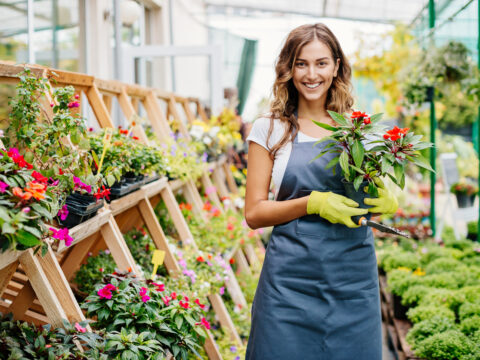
(37, 190)
(188, 207)
(118, 143)
(216, 213)
(22, 195)
(207, 206)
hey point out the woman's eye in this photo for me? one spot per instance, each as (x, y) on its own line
(299, 64)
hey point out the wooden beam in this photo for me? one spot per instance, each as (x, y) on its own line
(107, 100)
(72, 260)
(224, 317)
(98, 106)
(6, 275)
(241, 260)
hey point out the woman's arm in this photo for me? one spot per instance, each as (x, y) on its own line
(260, 212)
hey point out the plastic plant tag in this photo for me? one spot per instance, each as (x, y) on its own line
(157, 260)
(107, 139)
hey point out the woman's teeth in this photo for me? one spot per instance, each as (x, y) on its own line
(312, 86)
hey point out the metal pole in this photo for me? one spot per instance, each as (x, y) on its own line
(31, 30)
(172, 59)
(117, 57)
(478, 115)
(433, 127)
(54, 33)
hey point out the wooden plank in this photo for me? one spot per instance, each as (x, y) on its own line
(234, 289)
(211, 347)
(111, 87)
(129, 219)
(43, 289)
(86, 229)
(60, 286)
(118, 248)
(177, 216)
(29, 316)
(172, 109)
(219, 182)
(98, 106)
(8, 257)
(232, 185)
(158, 236)
(193, 197)
(62, 77)
(11, 70)
(23, 301)
(136, 105)
(107, 100)
(6, 275)
(176, 184)
(155, 187)
(224, 317)
(188, 111)
(129, 112)
(241, 261)
(213, 195)
(126, 202)
(156, 116)
(251, 256)
(72, 260)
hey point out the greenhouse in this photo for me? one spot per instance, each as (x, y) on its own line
(224, 179)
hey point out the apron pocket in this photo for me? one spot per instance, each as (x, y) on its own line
(312, 225)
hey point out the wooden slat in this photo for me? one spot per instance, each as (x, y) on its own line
(212, 196)
(156, 116)
(8, 257)
(155, 187)
(43, 289)
(23, 301)
(241, 261)
(232, 185)
(211, 347)
(251, 256)
(224, 317)
(63, 78)
(11, 70)
(107, 100)
(98, 106)
(6, 275)
(74, 258)
(126, 202)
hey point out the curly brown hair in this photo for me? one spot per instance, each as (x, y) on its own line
(285, 101)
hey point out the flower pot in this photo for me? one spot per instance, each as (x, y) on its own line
(357, 196)
(399, 310)
(119, 189)
(81, 207)
(464, 200)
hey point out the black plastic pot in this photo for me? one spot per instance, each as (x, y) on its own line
(399, 310)
(119, 189)
(357, 196)
(464, 200)
(80, 208)
(151, 178)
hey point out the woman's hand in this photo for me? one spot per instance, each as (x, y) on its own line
(334, 208)
(385, 203)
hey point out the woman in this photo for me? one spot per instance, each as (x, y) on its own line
(318, 295)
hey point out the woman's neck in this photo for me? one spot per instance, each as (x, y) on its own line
(311, 110)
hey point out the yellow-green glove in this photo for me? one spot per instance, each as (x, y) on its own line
(385, 203)
(334, 208)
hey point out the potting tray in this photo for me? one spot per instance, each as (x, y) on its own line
(83, 203)
(151, 178)
(80, 211)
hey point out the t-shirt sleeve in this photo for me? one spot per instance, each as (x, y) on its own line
(259, 132)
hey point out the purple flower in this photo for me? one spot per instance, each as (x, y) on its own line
(63, 213)
(204, 157)
(233, 349)
(3, 187)
(185, 154)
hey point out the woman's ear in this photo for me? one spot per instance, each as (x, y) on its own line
(337, 66)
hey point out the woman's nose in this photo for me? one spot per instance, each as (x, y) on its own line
(311, 72)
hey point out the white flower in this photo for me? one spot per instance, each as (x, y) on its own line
(207, 140)
(196, 131)
(214, 131)
(239, 203)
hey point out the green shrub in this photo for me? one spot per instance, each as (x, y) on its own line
(471, 293)
(400, 280)
(426, 328)
(94, 270)
(451, 344)
(444, 281)
(467, 275)
(468, 309)
(430, 252)
(441, 265)
(425, 312)
(470, 325)
(445, 297)
(414, 294)
(459, 244)
(401, 259)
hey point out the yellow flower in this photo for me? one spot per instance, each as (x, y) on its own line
(233, 168)
(244, 172)
(403, 268)
(419, 272)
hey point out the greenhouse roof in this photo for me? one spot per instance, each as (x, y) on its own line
(380, 11)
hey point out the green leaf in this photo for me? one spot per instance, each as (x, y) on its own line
(344, 163)
(357, 182)
(332, 162)
(4, 214)
(325, 126)
(26, 239)
(7, 228)
(399, 174)
(41, 210)
(376, 118)
(34, 231)
(338, 118)
(179, 321)
(386, 165)
(422, 162)
(358, 153)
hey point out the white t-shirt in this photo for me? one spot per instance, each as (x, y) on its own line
(259, 134)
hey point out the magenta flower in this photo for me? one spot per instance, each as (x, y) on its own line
(110, 287)
(73, 104)
(143, 291)
(210, 190)
(222, 290)
(62, 234)
(80, 328)
(104, 293)
(63, 213)
(3, 187)
(26, 209)
(204, 322)
(159, 287)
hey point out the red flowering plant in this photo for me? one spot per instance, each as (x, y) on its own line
(173, 318)
(26, 203)
(464, 187)
(52, 137)
(366, 152)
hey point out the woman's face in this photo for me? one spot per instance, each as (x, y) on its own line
(314, 71)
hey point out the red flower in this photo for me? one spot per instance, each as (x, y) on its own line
(173, 295)
(198, 303)
(232, 261)
(204, 322)
(135, 137)
(39, 177)
(159, 287)
(207, 206)
(60, 171)
(216, 213)
(230, 226)
(367, 121)
(104, 293)
(200, 259)
(358, 114)
(183, 304)
(166, 300)
(396, 133)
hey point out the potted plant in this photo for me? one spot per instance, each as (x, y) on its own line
(465, 193)
(366, 153)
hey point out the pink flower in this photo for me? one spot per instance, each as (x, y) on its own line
(63, 213)
(104, 293)
(3, 187)
(222, 290)
(183, 304)
(143, 291)
(110, 287)
(173, 295)
(62, 234)
(159, 287)
(26, 209)
(145, 298)
(80, 328)
(73, 104)
(210, 190)
(205, 323)
(166, 300)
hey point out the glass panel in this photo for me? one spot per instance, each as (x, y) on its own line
(13, 30)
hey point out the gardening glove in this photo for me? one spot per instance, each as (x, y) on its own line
(334, 208)
(385, 203)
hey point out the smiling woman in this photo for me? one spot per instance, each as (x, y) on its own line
(318, 295)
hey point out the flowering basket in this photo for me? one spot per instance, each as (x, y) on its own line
(366, 152)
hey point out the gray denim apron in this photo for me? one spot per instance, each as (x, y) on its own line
(318, 295)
